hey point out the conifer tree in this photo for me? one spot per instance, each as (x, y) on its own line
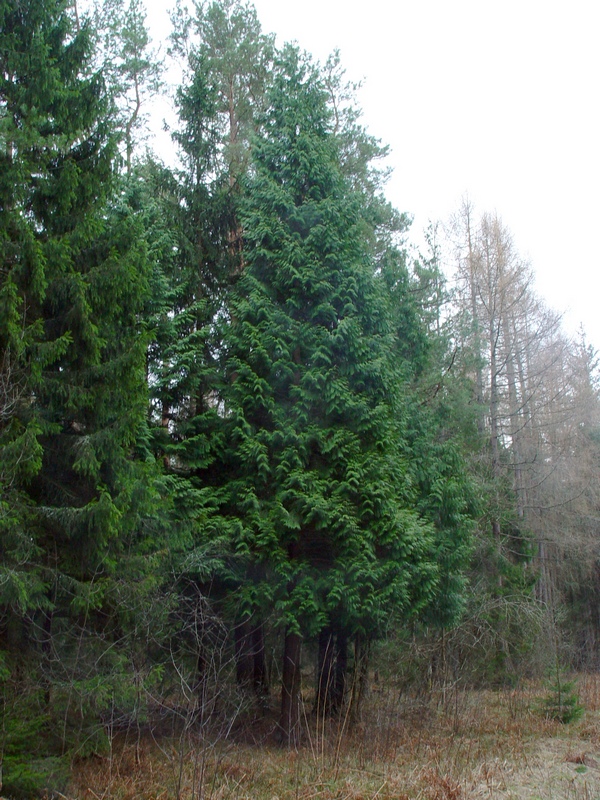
(131, 68)
(195, 211)
(223, 45)
(318, 494)
(225, 40)
(73, 279)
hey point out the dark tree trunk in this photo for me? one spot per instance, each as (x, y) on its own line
(46, 653)
(289, 723)
(325, 672)
(332, 671)
(251, 666)
(244, 665)
(341, 671)
(362, 648)
(260, 676)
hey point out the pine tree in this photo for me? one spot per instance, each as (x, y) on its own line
(226, 41)
(131, 68)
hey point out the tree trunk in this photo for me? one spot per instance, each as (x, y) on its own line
(260, 675)
(473, 296)
(250, 662)
(341, 671)
(244, 664)
(325, 672)
(289, 724)
(362, 648)
(332, 670)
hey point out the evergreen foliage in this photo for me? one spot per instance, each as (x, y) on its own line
(76, 480)
(232, 407)
(131, 69)
(562, 701)
(320, 492)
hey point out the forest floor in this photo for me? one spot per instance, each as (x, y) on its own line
(443, 745)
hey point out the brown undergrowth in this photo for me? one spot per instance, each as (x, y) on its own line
(447, 744)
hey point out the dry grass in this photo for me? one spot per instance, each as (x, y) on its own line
(447, 745)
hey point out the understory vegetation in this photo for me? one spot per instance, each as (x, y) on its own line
(429, 742)
(270, 477)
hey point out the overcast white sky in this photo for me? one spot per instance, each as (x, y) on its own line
(497, 100)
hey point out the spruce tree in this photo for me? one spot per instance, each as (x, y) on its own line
(73, 279)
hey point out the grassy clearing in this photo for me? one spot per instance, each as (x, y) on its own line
(446, 744)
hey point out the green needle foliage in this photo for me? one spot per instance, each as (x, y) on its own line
(73, 279)
(561, 702)
(259, 300)
(74, 485)
(317, 469)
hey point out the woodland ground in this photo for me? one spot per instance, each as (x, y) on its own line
(443, 745)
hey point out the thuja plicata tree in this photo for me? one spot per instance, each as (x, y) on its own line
(317, 461)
